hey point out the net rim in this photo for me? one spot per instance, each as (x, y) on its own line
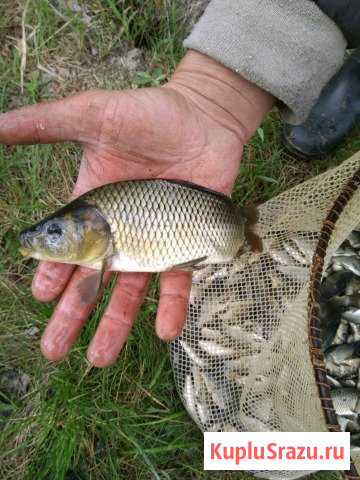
(315, 342)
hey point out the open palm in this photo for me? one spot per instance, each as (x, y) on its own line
(193, 128)
(148, 133)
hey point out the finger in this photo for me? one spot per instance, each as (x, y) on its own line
(77, 117)
(69, 316)
(119, 316)
(174, 297)
(50, 280)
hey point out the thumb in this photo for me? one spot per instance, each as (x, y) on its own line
(76, 118)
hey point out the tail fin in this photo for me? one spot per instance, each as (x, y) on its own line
(251, 213)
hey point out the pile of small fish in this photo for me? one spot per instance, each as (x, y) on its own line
(231, 319)
(231, 325)
(340, 315)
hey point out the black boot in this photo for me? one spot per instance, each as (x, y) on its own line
(332, 117)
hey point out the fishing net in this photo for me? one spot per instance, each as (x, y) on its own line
(249, 357)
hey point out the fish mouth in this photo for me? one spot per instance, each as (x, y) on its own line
(27, 236)
(26, 243)
(25, 252)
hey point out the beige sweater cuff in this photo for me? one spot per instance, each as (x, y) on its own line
(288, 47)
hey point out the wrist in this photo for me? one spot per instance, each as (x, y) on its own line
(225, 95)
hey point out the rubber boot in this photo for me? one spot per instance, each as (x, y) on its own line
(334, 114)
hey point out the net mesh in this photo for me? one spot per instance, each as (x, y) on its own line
(242, 362)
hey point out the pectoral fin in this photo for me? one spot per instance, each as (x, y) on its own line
(190, 266)
(89, 287)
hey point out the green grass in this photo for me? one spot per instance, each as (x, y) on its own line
(125, 421)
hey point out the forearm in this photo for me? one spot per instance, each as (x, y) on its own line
(287, 47)
(226, 95)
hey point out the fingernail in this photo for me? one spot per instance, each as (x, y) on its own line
(40, 293)
(168, 335)
(91, 355)
(102, 353)
(98, 358)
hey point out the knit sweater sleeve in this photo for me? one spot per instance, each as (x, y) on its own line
(290, 48)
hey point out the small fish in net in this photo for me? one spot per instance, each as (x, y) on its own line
(244, 360)
(340, 317)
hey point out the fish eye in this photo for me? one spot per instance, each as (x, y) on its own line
(54, 229)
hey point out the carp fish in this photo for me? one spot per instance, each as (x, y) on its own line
(144, 226)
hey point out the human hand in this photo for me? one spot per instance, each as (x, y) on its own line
(193, 128)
